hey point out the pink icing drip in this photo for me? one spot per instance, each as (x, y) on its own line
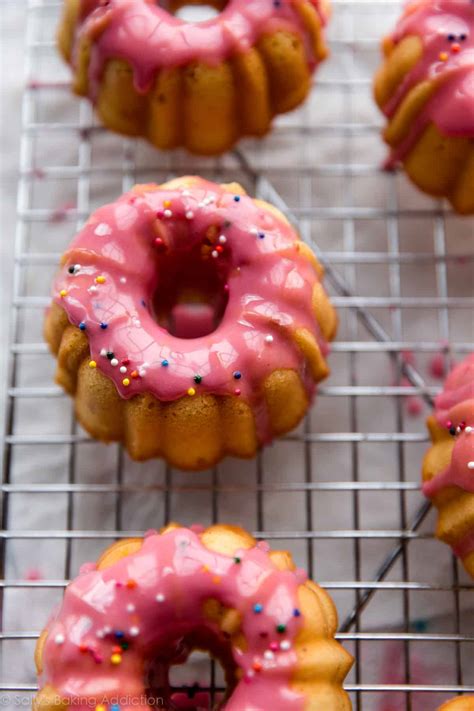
(451, 108)
(150, 38)
(173, 575)
(455, 405)
(269, 290)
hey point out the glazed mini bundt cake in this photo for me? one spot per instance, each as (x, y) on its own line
(189, 322)
(148, 603)
(199, 85)
(448, 468)
(426, 89)
(461, 703)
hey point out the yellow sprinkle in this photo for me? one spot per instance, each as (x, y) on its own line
(116, 658)
(100, 280)
(216, 580)
(63, 293)
(167, 203)
(92, 364)
(100, 707)
(191, 392)
(444, 56)
(126, 382)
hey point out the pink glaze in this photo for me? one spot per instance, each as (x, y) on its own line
(454, 408)
(152, 601)
(145, 254)
(150, 38)
(445, 26)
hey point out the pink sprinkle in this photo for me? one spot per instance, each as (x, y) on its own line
(437, 366)
(408, 357)
(33, 574)
(60, 213)
(414, 405)
(274, 646)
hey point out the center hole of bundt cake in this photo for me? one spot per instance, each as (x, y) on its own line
(190, 296)
(191, 682)
(194, 11)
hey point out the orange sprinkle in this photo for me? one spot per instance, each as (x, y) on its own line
(257, 666)
(455, 48)
(117, 650)
(205, 569)
(216, 579)
(131, 584)
(100, 280)
(444, 56)
(134, 373)
(167, 203)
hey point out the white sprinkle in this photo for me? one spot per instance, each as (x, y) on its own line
(222, 239)
(253, 231)
(268, 339)
(214, 254)
(107, 629)
(458, 430)
(114, 362)
(134, 631)
(59, 639)
(77, 269)
(100, 634)
(123, 280)
(168, 213)
(470, 465)
(269, 654)
(142, 372)
(190, 215)
(92, 289)
(123, 369)
(130, 607)
(103, 230)
(160, 597)
(285, 645)
(186, 193)
(103, 352)
(468, 429)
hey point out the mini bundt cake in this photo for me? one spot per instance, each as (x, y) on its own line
(148, 603)
(189, 381)
(426, 89)
(448, 468)
(201, 85)
(461, 703)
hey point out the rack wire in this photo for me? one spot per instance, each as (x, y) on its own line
(342, 492)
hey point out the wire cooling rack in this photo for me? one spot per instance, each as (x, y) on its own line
(342, 492)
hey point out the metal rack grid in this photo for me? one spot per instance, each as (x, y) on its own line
(342, 492)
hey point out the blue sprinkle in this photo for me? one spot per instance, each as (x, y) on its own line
(82, 326)
(237, 198)
(143, 302)
(119, 634)
(164, 363)
(237, 375)
(261, 235)
(258, 608)
(296, 612)
(104, 325)
(115, 707)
